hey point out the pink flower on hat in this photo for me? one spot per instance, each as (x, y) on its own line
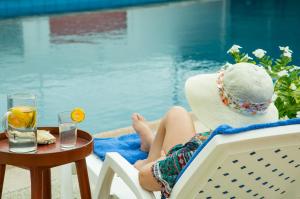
(246, 105)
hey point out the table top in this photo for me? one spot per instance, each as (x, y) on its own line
(48, 155)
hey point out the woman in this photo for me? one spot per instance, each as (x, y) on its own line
(238, 95)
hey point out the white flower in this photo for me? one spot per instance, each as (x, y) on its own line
(246, 58)
(294, 68)
(293, 87)
(287, 54)
(234, 49)
(274, 97)
(259, 53)
(283, 73)
(285, 49)
(298, 114)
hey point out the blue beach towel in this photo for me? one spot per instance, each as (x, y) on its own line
(127, 146)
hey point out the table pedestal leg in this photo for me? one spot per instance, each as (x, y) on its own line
(2, 173)
(83, 179)
(47, 183)
(36, 175)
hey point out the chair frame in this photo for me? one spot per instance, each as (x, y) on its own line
(203, 166)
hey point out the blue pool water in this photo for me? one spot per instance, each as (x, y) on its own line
(133, 60)
(13, 8)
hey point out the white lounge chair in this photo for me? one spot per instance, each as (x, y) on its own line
(262, 163)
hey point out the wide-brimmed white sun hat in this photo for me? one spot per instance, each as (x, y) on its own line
(238, 95)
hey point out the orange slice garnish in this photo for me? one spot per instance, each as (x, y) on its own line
(77, 115)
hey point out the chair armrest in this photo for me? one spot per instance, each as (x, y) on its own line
(115, 164)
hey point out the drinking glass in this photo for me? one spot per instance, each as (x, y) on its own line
(67, 130)
(19, 123)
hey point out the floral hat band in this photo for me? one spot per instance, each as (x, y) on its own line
(237, 103)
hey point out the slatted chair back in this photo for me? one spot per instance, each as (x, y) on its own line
(262, 163)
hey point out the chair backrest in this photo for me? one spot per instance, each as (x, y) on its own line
(260, 163)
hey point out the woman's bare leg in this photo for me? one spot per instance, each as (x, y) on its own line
(141, 126)
(175, 128)
(179, 128)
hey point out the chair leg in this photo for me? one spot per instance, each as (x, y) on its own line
(103, 186)
(47, 183)
(83, 179)
(36, 175)
(2, 174)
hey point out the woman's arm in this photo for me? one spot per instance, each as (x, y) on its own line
(147, 179)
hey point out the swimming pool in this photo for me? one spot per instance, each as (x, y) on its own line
(14, 8)
(134, 60)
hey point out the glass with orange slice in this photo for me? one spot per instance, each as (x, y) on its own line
(67, 122)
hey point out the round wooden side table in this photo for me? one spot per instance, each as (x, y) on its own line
(46, 157)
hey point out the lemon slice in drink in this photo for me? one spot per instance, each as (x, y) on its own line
(22, 117)
(77, 115)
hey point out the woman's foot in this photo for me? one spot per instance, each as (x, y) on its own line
(142, 128)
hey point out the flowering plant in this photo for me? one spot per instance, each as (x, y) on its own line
(286, 78)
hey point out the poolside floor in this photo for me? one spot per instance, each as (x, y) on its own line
(17, 184)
